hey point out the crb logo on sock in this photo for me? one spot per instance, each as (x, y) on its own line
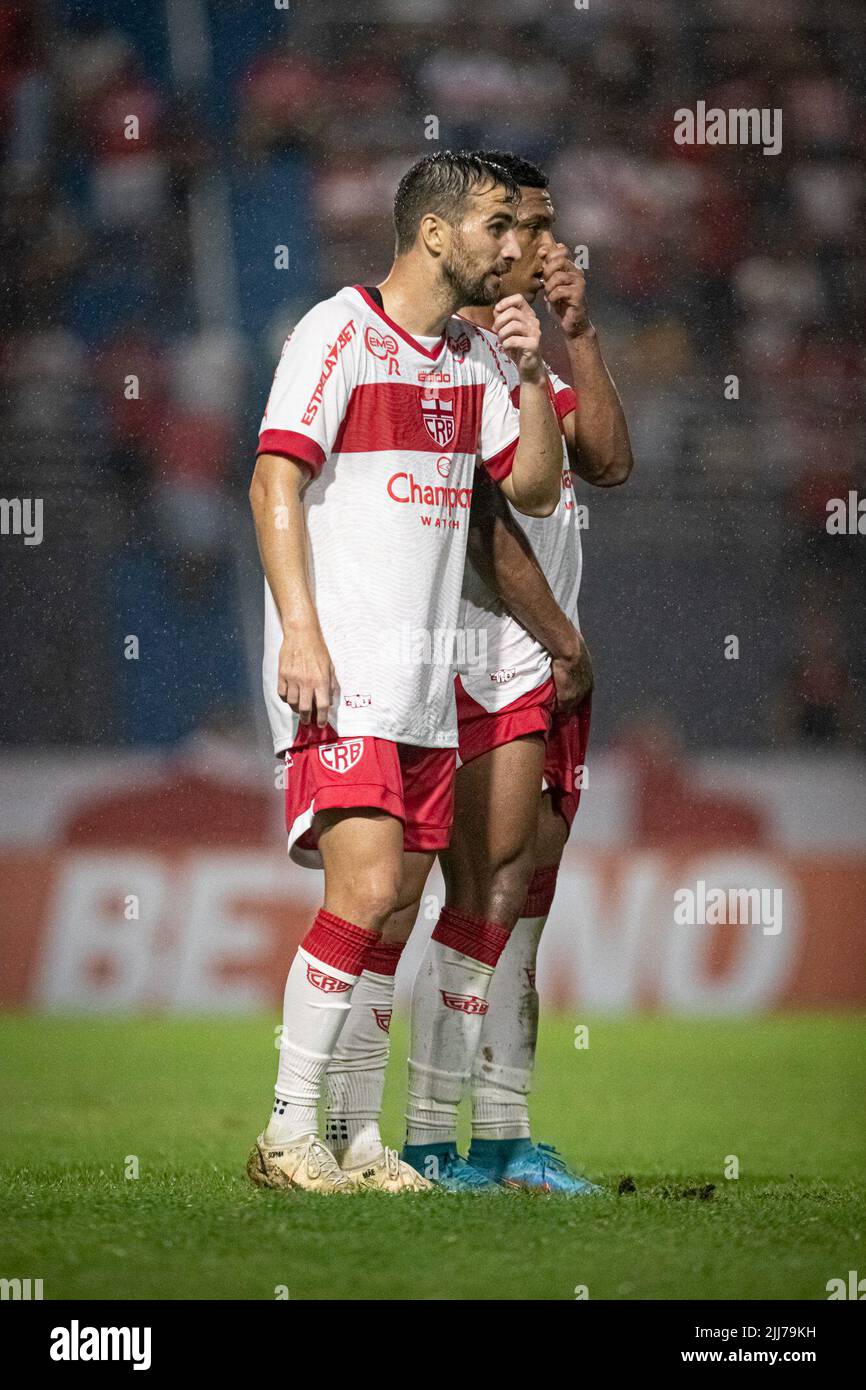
(341, 757)
(328, 983)
(464, 1003)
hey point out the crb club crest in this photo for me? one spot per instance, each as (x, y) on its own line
(464, 1003)
(341, 757)
(383, 1018)
(438, 414)
(460, 346)
(328, 984)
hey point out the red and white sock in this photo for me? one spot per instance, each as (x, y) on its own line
(315, 1004)
(449, 1001)
(505, 1061)
(356, 1072)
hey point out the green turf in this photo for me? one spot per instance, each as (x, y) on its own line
(661, 1101)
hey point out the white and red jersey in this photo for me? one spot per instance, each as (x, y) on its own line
(502, 661)
(389, 428)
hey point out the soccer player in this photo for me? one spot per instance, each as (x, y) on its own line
(474, 1006)
(381, 403)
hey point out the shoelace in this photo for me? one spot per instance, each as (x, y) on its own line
(392, 1162)
(320, 1161)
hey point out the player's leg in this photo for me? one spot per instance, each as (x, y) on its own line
(487, 870)
(505, 1061)
(356, 1073)
(362, 851)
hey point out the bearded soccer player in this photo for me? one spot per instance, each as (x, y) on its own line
(381, 403)
(523, 718)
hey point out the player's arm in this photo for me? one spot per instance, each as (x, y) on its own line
(596, 434)
(534, 481)
(503, 556)
(306, 677)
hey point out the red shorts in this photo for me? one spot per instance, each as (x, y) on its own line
(565, 759)
(414, 784)
(478, 731)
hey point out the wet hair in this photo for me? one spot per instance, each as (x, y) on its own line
(442, 183)
(523, 171)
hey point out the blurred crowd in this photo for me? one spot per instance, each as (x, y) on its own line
(704, 260)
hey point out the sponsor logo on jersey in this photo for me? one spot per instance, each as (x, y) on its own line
(459, 345)
(438, 414)
(440, 377)
(358, 701)
(332, 356)
(443, 467)
(464, 1003)
(404, 487)
(383, 346)
(383, 1018)
(502, 677)
(341, 757)
(328, 984)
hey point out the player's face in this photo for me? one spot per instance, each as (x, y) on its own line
(481, 248)
(534, 233)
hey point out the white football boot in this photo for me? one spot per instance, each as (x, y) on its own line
(387, 1173)
(304, 1163)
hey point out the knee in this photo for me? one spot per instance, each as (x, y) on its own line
(370, 896)
(498, 895)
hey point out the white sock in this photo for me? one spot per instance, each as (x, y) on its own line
(315, 1005)
(449, 1001)
(504, 1063)
(356, 1073)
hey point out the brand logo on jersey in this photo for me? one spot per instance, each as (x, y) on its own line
(438, 414)
(504, 676)
(404, 487)
(464, 1003)
(383, 346)
(328, 984)
(434, 376)
(443, 467)
(357, 701)
(341, 757)
(344, 337)
(383, 1018)
(459, 346)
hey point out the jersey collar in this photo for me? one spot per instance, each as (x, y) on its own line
(431, 353)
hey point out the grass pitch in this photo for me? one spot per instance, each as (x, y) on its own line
(663, 1103)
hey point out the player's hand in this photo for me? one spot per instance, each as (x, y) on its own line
(305, 677)
(519, 332)
(565, 290)
(573, 676)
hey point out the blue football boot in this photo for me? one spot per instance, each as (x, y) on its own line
(519, 1164)
(444, 1167)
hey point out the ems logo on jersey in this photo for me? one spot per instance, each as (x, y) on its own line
(383, 346)
(438, 413)
(460, 346)
(383, 1018)
(341, 757)
(328, 984)
(464, 1003)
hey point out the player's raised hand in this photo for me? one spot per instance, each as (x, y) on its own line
(565, 290)
(306, 678)
(519, 332)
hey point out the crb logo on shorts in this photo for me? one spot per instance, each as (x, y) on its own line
(341, 757)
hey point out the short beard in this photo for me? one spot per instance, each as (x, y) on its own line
(467, 286)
